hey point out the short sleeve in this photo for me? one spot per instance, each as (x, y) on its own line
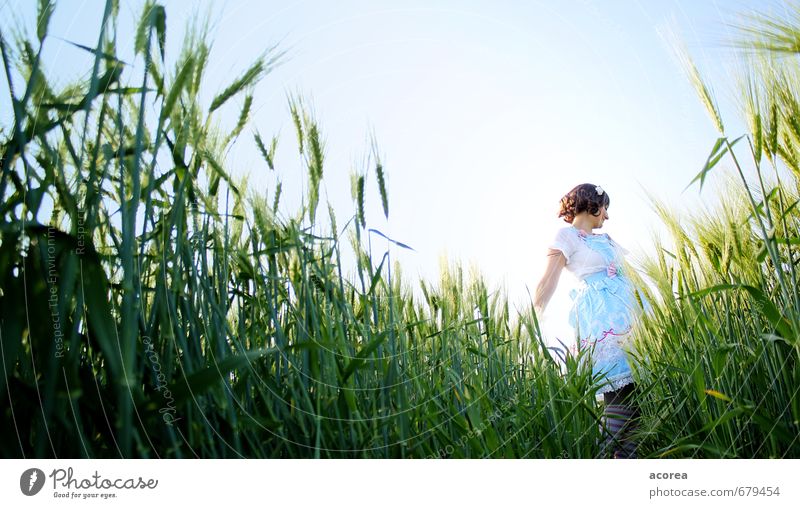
(564, 241)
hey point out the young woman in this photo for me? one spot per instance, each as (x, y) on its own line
(604, 307)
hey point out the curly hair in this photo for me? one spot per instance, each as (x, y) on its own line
(582, 198)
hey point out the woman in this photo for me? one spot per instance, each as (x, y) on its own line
(604, 307)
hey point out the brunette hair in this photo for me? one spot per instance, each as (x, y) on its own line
(583, 198)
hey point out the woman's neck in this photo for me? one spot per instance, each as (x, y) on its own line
(583, 226)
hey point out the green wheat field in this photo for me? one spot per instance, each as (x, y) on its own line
(152, 307)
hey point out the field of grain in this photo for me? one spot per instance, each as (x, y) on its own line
(150, 306)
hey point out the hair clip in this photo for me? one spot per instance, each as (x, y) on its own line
(599, 190)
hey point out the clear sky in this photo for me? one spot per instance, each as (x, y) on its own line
(486, 113)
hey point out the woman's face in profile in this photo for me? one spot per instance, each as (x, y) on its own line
(601, 217)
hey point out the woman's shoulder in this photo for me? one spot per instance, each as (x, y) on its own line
(573, 233)
(566, 240)
(567, 230)
(620, 247)
(567, 233)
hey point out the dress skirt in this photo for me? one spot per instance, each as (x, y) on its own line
(603, 312)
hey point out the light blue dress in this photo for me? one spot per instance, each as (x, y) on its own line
(604, 306)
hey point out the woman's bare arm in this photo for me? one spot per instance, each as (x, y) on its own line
(547, 285)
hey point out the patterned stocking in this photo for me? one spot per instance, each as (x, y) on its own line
(619, 421)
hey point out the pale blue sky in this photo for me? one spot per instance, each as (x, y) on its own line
(486, 113)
